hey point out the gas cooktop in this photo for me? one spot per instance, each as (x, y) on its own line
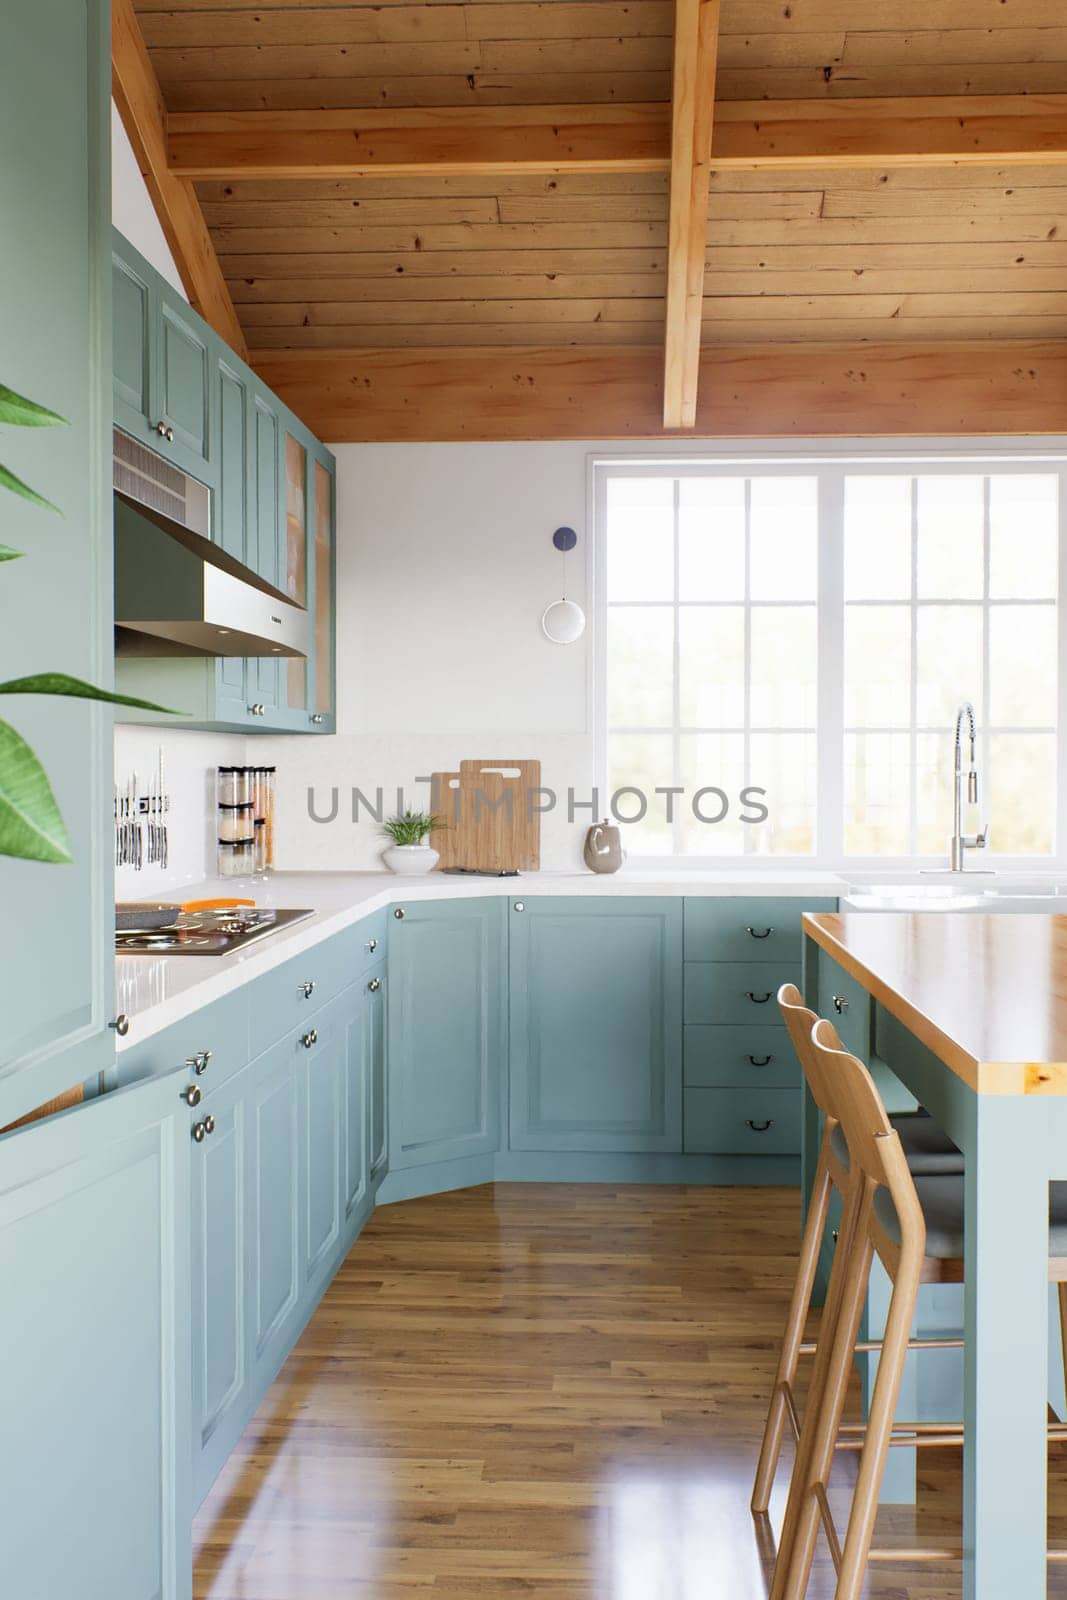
(206, 933)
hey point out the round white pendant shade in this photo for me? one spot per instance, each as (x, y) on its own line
(563, 622)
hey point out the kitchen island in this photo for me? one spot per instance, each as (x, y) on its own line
(970, 1016)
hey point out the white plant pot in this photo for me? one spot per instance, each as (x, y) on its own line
(410, 860)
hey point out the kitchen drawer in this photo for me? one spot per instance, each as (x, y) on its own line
(284, 999)
(761, 928)
(736, 991)
(759, 1122)
(759, 1056)
(218, 1032)
(847, 1005)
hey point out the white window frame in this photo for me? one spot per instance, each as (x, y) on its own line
(785, 459)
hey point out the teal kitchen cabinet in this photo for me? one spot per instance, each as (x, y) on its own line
(596, 1024)
(94, 1237)
(323, 1073)
(163, 362)
(372, 1017)
(273, 1207)
(180, 390)
(220, 1260)
(56, 922)
(742, 1080)
(447, 1030)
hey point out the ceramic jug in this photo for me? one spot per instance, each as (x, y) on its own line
(603, 848)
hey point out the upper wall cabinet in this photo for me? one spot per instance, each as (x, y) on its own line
(180, 390)
(56, 921)
(162, 365)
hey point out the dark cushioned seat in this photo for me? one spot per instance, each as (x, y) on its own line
(927, 1146)
(941, 1197)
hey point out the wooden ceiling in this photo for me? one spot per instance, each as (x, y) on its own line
(849, 204)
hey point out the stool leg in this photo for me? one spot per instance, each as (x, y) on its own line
(879, 1426)
(840, 1273)
(793, 1336)
(822, 1417)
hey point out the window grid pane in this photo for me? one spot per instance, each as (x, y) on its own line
(714, 591)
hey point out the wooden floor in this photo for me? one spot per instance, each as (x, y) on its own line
(531, 1390)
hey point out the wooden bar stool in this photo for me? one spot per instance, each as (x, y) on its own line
(928, 1149)
(914, 1225)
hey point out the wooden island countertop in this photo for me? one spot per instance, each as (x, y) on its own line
(987, 994)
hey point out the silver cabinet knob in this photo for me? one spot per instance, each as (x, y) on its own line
(308, 987)
(170, 435)
(209, 1124)
(199, 1062)
(161, 429)
(372, 945)
(374, 985)
(400, 913)
(121, 1024)
(192, 1096)
(199, 1133)
(520, 905)
(310, 1038)
(258, 709)
(317, 717)
(840, 1004)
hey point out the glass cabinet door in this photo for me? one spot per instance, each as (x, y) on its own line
(296, 558)
(323, 706)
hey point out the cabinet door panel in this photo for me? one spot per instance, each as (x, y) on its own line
(373, 1023)
(56, 922)
(131, 324)
(447, 1039)
(219, 1188)
(596, 1026)
(274, 1227)
(95, 1469)
(184, 365)
(321, 1068)
(231, 505)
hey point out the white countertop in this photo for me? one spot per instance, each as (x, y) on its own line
(155, 991)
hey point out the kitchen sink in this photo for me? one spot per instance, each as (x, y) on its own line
(970, 891)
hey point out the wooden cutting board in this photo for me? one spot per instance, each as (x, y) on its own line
(490, 826)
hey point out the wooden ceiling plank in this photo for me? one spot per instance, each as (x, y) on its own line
(140, 104)
(833, 390)
(696, 38)
(834, 136)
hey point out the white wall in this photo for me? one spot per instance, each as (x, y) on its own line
(445, 564)
(132, 211)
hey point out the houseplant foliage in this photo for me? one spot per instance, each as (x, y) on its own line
(408, 851)
(31, 825)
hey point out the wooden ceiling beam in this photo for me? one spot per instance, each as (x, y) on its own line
(144, 116)
(984, 130)
(696, 46)
(436, 140)
(749, 391)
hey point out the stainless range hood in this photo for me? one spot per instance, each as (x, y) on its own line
(178, 594)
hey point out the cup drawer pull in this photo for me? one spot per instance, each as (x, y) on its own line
(759, 933)
(760, 1061)
(759, 1127)
(758, 999)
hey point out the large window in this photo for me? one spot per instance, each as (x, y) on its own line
(783, 648)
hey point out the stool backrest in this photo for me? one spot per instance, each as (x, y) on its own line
(801, 1022)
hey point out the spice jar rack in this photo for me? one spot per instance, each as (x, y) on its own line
(245, 803)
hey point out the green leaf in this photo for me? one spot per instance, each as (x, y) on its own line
(31, 827)
(78, 689)
(7, 554)
(23, 413)
(8, 480)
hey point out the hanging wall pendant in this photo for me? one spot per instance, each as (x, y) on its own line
(564, 620)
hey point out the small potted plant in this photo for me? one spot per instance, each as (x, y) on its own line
(409, 852)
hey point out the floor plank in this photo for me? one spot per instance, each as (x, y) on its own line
(539, 1390)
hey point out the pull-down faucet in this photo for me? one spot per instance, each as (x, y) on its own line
(959, 843)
